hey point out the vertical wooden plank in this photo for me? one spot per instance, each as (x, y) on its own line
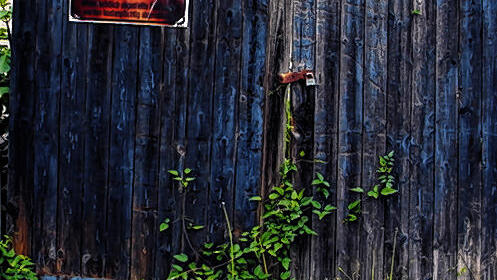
(445, 223)
(22, 104)
(172, 143)
(374, 135)
(489, 126)
(469, 188)
(278, 53)
(224, 123)
(96, 144)
(250, 112)
(422, 144)
(71, 141)
(350, 131)
(199, 114)
(325, 131)
(302, 100)
(144, 225)
(46, 133)
(121, 156)
(398, 134)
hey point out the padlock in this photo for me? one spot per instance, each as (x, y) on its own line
(310, 80)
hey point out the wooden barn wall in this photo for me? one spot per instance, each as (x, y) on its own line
(100, 113)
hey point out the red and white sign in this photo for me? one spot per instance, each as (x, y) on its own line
(173, 13)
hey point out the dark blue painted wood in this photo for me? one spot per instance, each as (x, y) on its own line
(121, 153)
(322, 261)
(489, 126)
(374, 135)
(224, 121)
(421, 148)
(20, 189)
(446, 153)
(398, 134)
(96, 143)
(250, 112)
(145, 187)
(469, 135)
(46, 132)
(72, 148)
(350, 132)
(100, 113)
(199, 118)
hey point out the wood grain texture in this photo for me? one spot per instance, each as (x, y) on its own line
(21, 165)
(322, 261)
(72, 148)
(398, 135)
(250, 112)
(445, 221)
(199, 117)
(469, 140)
(100, 113)
(489, 126)
(422, 149)
(145, 190)
(373, 136)
(121, 152)
(225, 132)
(46, 130)
(350, 133)
(96, 143)
(302, 98)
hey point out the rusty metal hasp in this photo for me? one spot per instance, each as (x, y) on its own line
(290, 77)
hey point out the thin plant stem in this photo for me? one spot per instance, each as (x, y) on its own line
(393, 254)
(232, 256)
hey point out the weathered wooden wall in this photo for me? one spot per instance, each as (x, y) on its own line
(99, 113)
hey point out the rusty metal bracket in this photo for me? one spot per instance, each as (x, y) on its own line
(291, 77)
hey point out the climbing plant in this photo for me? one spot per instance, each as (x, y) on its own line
(384, 187)
(263, 252)
(12, 265)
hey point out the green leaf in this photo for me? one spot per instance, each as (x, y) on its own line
(388, 191)
(286, 263)
(416, 12)
(294, 195)
(285, 275)
(198, 227)
(177, 267)
(325, 192)
(316, 182)
(302, 154)
(181, 257)
(320, 176)
(329, 208)
(163, 227)
(354, 204)
(173, 172)
(357, 190)
(373, 194)
(3, 91)
(255, 198)
(351, 217)
(258, 272)
(187, 171)
(316, 204)
(274, 196)
(4, 64)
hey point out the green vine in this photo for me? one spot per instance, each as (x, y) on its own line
(384, 187)
(12, 265)
(264, 251)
